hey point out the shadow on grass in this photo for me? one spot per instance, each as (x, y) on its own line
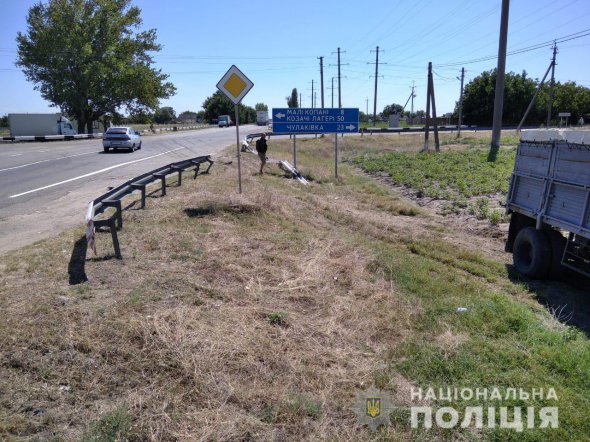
(213, 209)
(76, 266)
(568, 300)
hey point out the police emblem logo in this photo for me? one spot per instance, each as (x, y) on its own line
(373, 407)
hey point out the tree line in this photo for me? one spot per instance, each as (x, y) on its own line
(478, 100)
(519, 89)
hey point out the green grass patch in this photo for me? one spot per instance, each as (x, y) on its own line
(499, 341)
(447, 175)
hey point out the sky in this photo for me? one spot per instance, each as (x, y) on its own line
(277, 45)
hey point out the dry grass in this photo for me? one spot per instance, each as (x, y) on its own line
(231, 317)
(177, 336)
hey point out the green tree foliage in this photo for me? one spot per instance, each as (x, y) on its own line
(4, 121)
(187, 116)
(293, 100)
(392, 109)
(141, 117)
(478, 100)
(164, 115)
(218, 104)
(261, 107)
(86, 58)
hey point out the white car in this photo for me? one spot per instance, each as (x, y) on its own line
(123, 137)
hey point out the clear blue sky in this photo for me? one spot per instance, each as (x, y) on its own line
(277, 45)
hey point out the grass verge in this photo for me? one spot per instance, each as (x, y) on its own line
(264, 315)
(463, 177)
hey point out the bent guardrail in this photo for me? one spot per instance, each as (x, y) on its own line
(113, 198)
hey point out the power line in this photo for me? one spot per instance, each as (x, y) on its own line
(546, 44)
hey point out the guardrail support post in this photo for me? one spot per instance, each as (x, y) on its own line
(141, 187)
(179, 170)
(117, 205)
(110, 223)
(162, 177)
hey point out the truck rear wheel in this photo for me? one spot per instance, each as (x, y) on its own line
(532, 253)
(558, 243)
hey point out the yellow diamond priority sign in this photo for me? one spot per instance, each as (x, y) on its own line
(235, 85)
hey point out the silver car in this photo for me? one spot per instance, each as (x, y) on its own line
(123, 137)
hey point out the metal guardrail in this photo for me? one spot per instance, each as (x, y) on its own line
(114, 197)
(98, 135)
(52, 137)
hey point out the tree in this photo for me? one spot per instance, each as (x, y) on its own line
(391, 109)
(293, 100)
(261, 107)
(187, 116)
(478, 99)
(164, 115)
(4, 121)
(86, 58)
(218, 104)
(141, 117)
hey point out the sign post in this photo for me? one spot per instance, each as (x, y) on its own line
(298, 120)
(235, 85)
(295, 151)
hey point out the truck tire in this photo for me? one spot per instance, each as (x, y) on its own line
(558, 243)
(532, 253)
(106, 149)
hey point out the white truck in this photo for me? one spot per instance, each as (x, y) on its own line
(39, 125)
(224, 121)
(549, 197)
(261, 118)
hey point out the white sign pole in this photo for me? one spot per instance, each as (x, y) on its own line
(336, 155)
(295, 151)
(238, 146)
(235, 85)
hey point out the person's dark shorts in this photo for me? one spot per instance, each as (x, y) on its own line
(262, 156)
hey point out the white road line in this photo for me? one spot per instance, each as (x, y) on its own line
(94, 173)
(45, 161)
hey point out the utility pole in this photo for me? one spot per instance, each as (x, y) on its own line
(461, 104)
(412, 109)
(339, 77)
(430, 100)
(551, 86)
(300, 102)
(339, 82)
(322, 78)
(534, 99)
(500, 74)
(376, 79)
(332, 92)
(312, 94)
(367, 102)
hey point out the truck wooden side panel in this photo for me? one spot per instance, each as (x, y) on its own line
(551, 183)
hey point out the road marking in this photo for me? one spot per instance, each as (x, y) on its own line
(94, 173)
(44, 161)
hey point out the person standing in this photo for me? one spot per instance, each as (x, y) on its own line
(261, 148)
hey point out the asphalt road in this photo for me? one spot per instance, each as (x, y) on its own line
(45, 187)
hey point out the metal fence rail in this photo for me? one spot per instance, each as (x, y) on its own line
(114, 197)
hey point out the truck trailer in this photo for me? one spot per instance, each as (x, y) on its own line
(261, 118)
(549, 203)
(39, 125)
(224, 121)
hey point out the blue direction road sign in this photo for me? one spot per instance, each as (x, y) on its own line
(314, 120)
